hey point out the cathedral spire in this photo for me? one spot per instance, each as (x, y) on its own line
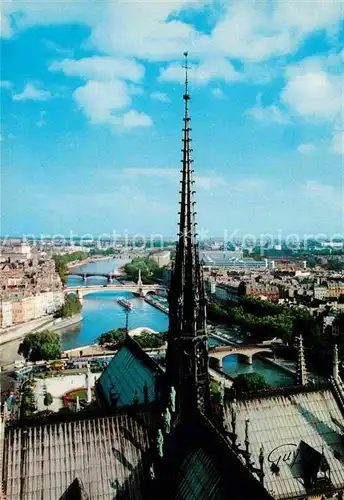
(187, 353)
(301, 371)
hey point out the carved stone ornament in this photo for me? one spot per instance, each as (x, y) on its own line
(160, 443)
(172, 399)
(167, 421)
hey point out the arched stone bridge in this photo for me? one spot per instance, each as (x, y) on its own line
(247, 352)
(86, 275)
(141, 290)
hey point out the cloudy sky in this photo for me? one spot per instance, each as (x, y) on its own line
(92, 111)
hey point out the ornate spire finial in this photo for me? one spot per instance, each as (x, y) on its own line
(335, 362)
(301, 372)
(186, 95)
(187, 353)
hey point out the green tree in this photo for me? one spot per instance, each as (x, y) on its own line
(71, 306)
(40, 346)
(61, 268)
(250, 382)
(61, 262)
(149, 340)
(27, 402)
(215, 311)
(150, 271)
(113, 337)
(48, 399)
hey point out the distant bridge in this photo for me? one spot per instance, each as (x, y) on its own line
(141, 290)
(247, 352)
(86, 275)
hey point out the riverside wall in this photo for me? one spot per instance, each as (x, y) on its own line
(37, 325)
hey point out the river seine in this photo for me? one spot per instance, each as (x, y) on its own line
(101, 313)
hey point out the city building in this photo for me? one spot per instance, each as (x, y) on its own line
(6, 318)
(32, 287)
(230, 259)
(225, 292)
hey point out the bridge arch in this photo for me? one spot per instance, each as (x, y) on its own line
(265, 353)
(245, 358)
(244, 353)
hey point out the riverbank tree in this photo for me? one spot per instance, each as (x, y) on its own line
(265, 320)
(40, 346)
(147, 340)
(62, 261)
(106, 252)
(150, 271)
(112, 337)
(249, 382)
(71, 306)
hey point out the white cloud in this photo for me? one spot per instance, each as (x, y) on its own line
(312, 93)
(160, 96)
(99, 100)
(218, 93)
(216, 69)
(337, 145)
(26, 13)
(106, 91)
(5, 26)
(255, 31)
(151, 36)
(133, 119)
(305, 148)
(251, 31)
(100, 68)
(33, 93)
(306, 17)
(104, 102)
(269, 114)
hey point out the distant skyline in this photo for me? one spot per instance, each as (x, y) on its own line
(92, 109)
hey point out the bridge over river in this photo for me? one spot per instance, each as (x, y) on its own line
(141, 290)
(96, 274)
(247, 352)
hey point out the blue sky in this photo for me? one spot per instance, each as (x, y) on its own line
(92, 107)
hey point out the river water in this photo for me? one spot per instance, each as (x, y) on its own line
(101, 313)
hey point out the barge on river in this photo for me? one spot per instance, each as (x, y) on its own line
(125, 303)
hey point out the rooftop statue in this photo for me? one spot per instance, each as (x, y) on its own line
(151, 472)
(222, 393)
(167, 421)
(160, 443)
(172, 399)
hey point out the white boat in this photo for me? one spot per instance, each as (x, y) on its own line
(125, 303)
